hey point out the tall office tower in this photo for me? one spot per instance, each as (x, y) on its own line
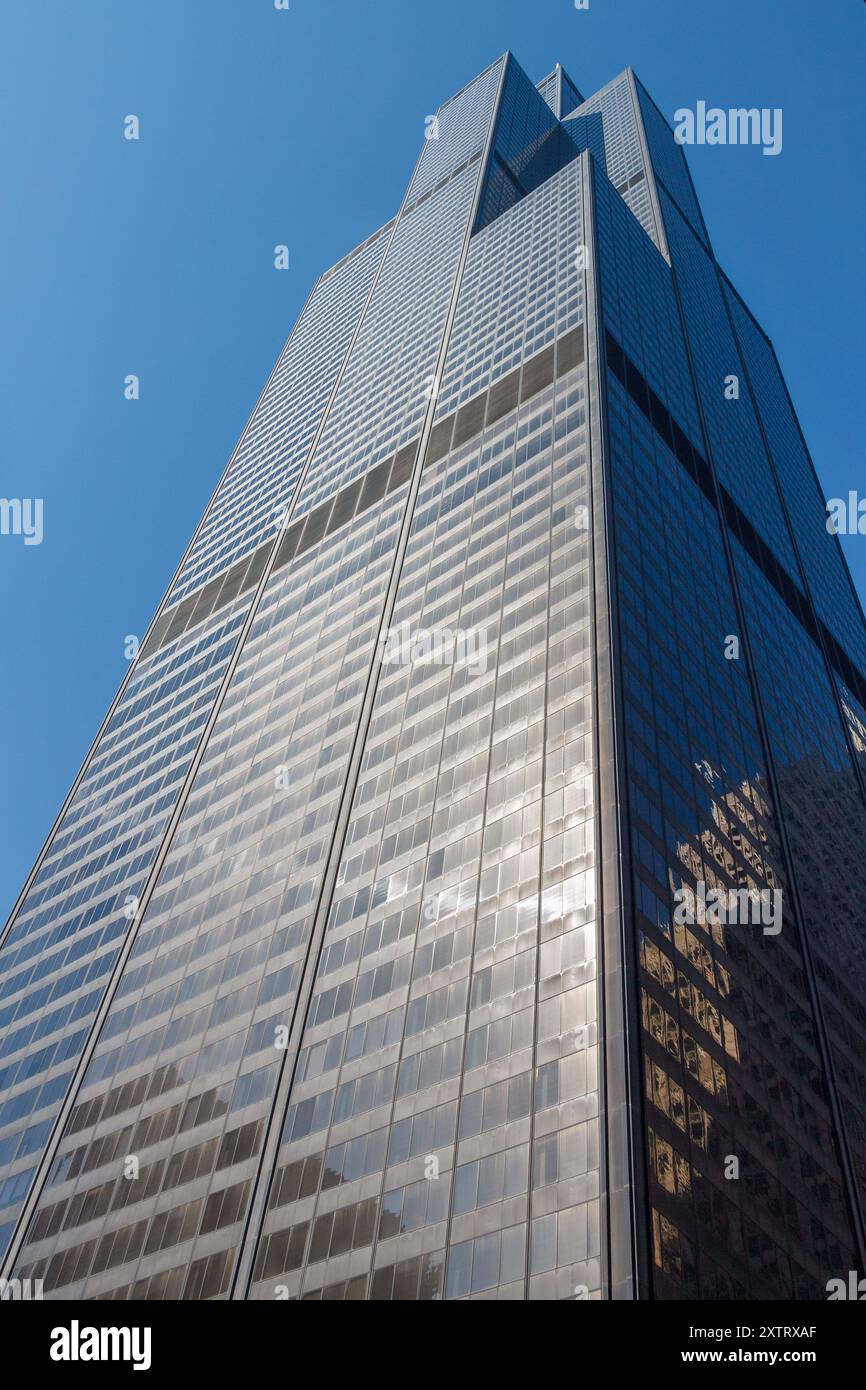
(462, 898)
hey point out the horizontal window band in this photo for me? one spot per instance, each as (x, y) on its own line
(630, 183)
(526, 381)
(357, 497)
(640, 391)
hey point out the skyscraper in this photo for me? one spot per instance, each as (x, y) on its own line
(462, 897)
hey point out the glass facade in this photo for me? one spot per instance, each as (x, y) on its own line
(355, 966)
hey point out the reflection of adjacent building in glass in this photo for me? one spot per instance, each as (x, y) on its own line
(404, 1011)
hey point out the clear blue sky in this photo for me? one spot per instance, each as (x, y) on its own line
(257, 128)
